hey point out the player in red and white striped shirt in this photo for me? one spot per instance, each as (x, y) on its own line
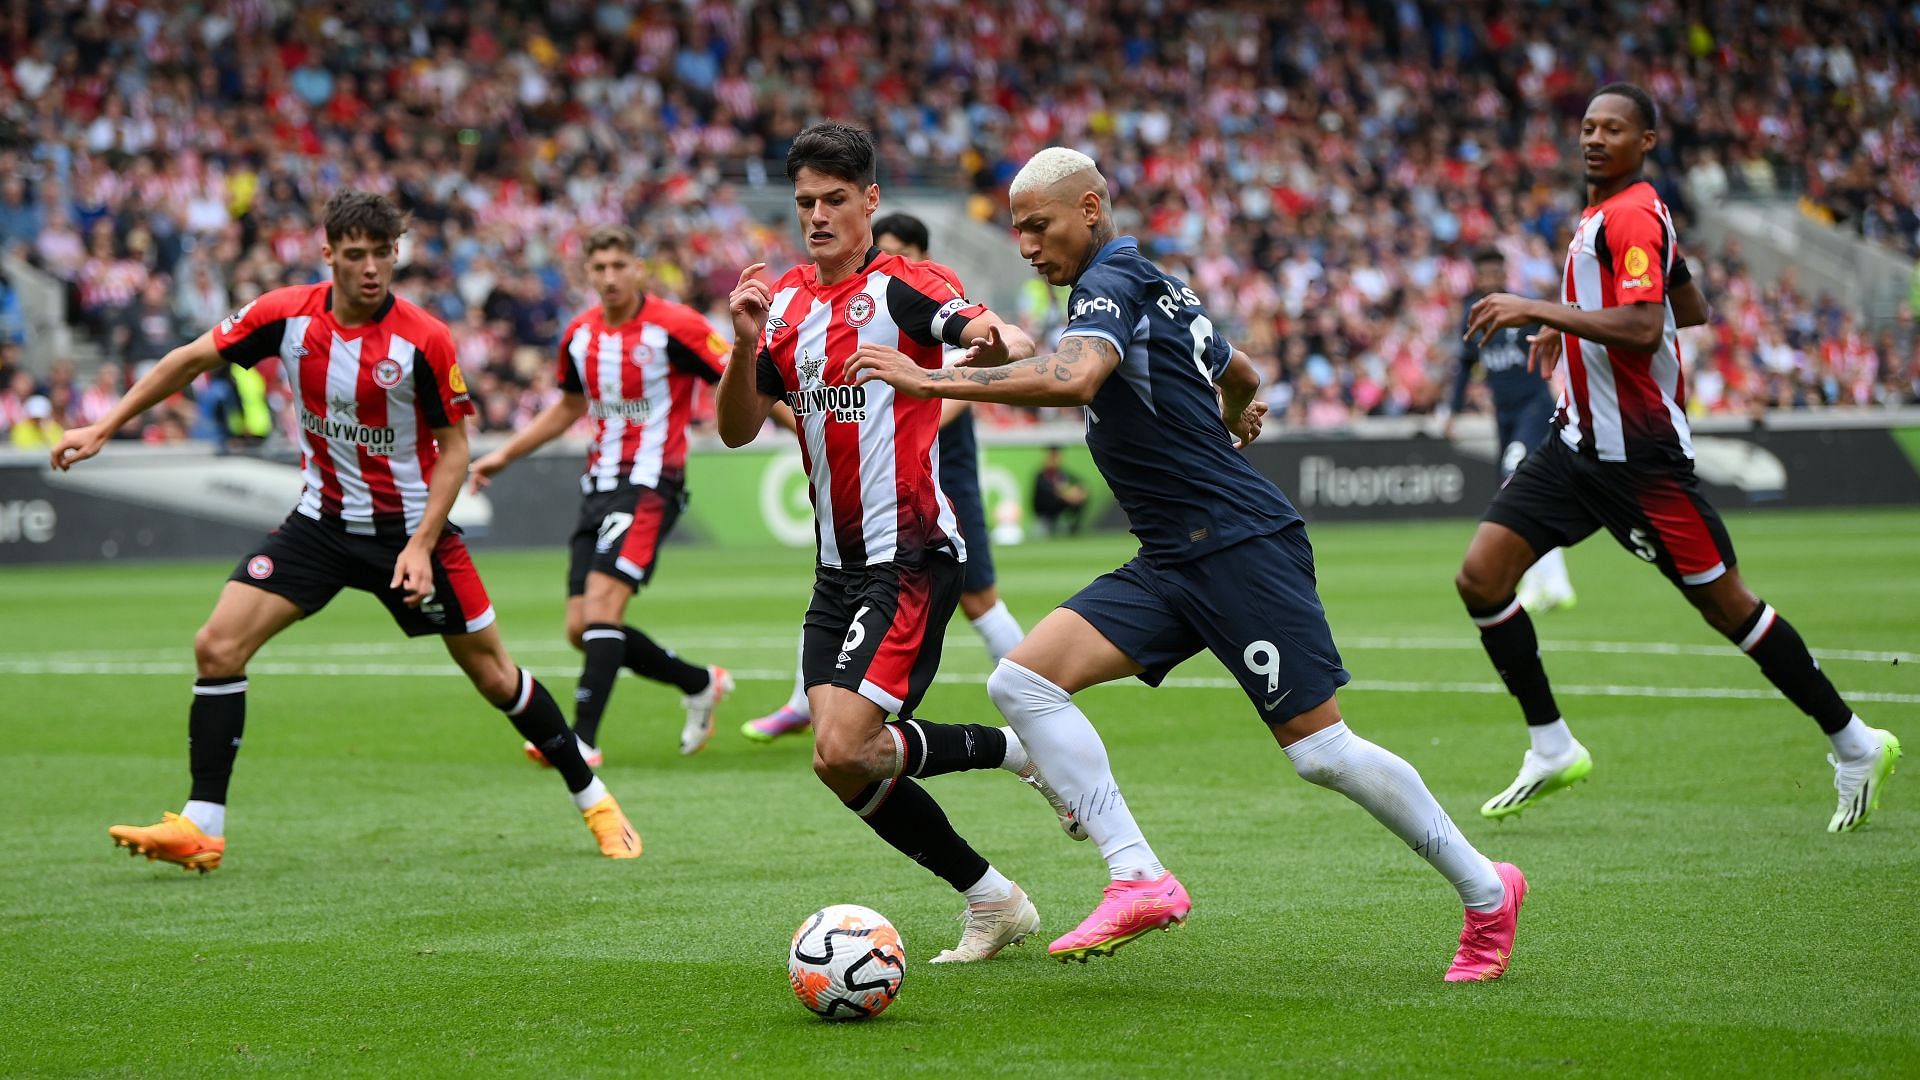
(1623, 460)
(632, 364)
(381, 408)
(889, 572)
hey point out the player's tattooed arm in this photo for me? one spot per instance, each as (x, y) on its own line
(1069, 376)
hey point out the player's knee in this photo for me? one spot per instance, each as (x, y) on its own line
(216, 654)
(498, 680)
(1477, 585)
(1021, 695)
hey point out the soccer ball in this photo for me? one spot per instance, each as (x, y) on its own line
(846, 962)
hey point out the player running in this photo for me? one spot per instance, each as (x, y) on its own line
(1224, 565)
(383, 449)
(889, 550)
(959, 457)
(631, 364)
(1523, 411)
(1623, 461)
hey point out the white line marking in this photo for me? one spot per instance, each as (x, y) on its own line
(718, 641)
(445, 669)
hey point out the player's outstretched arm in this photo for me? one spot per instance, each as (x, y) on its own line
(995, 341)
(171, 375)
(1070, 376)
(1637, 327)
(1239, 384)
(413, 569)
(553, 422)
(740, 409)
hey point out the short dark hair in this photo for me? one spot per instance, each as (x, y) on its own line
(364, 214)
(1642, 102)
(905, 228)
(1488, 255)
(838, 150)
(613, 236)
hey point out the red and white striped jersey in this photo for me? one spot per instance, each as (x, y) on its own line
(368, 399)
(638, 378)
(872, 456)
(1620, 405)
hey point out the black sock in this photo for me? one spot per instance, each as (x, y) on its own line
(939, 749)
(649, 661)
(214, 724)
(1507, 633)
(606, 647)
(1783, 658)
(538, 719)
(906, 816)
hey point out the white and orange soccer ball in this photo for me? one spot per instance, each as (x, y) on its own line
(846, 962)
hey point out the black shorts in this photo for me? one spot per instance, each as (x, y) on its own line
(1559, 497)
(877, 631)
(620, 533)
(1521, 432)
(309, 562)
(1254, 605)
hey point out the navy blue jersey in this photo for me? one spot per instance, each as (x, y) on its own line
(1504, 357)
(1154, 426)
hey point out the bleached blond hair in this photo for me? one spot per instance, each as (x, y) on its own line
(1049, 167)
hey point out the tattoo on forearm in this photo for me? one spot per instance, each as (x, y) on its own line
(1058, 364)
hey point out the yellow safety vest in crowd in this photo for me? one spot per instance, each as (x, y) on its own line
(253, 418)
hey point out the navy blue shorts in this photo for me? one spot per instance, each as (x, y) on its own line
(1522, 430)
(960, 479)
(972, 512)
(1254, 605)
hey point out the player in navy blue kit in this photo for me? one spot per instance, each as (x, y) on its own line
(1523, 413)
(1224, 564)
(906, 235)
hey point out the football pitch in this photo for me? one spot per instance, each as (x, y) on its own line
(404, 895)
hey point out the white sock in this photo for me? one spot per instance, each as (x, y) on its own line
(798, 700)
(1552, 568)
(1060, 738)
(587, 796)
(999, 630)
(1850, 743)
(1016, 758)
(1553, 740)
(1394, 794)
(211, 817)
(992, 888)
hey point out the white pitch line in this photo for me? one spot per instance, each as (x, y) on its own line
(692, 641)
(785, 675)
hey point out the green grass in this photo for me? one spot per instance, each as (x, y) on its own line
(406, 896)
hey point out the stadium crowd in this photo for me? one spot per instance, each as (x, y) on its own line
(1322, 172)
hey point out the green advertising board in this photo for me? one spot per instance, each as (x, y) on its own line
(756, 497)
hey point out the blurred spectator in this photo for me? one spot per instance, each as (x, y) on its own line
(37, 429)
(1059, 498)
(98, 399)
(1316, 168)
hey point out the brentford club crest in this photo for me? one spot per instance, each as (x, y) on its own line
(387, 373)
(259, 568)
(860, 310)
(642, 354)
